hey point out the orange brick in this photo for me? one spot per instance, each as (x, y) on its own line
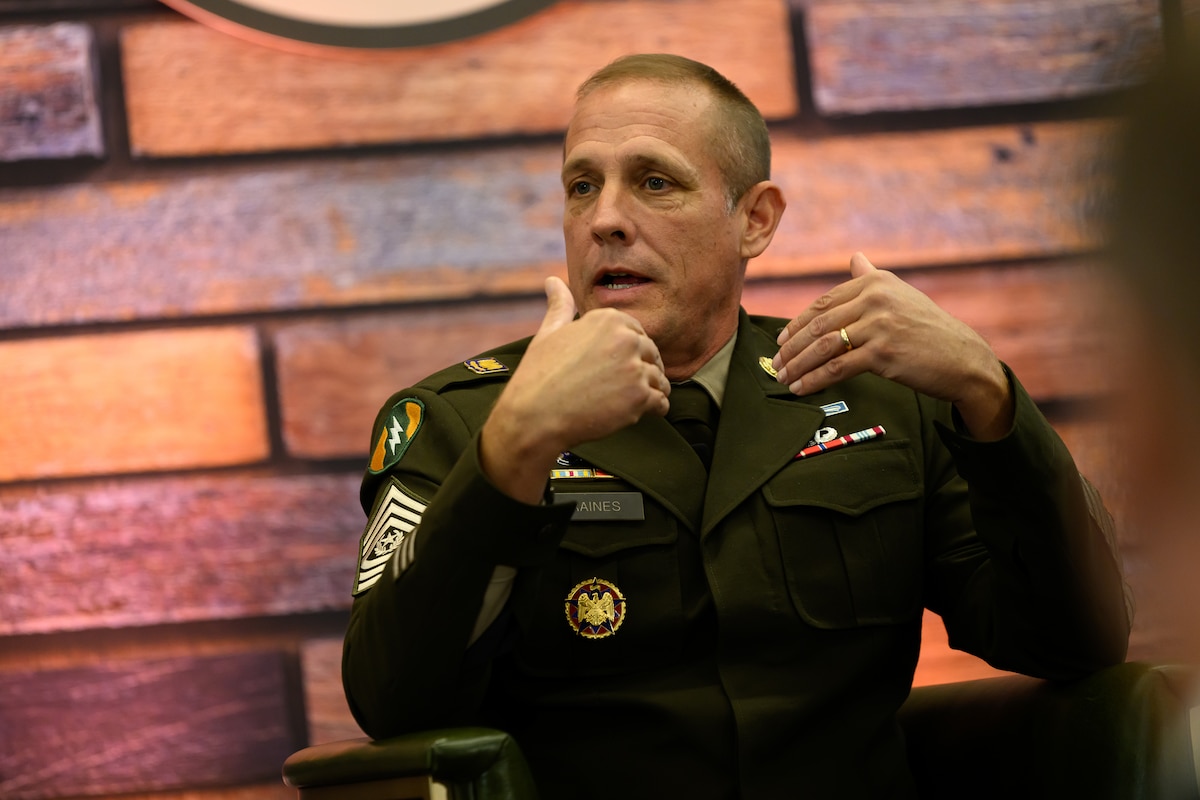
(335, 376)
(940, 664)
(126, 402)
(192, 91)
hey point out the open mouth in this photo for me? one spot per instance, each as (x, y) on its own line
(620, 280)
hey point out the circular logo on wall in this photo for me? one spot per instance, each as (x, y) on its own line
(595, 609)
(363, 24)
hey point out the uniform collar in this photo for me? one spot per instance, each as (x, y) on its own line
(714, 374)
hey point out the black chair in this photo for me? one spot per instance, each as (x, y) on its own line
(1131, 732)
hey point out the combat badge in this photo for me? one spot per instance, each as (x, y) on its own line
(595, 609)
(485, 366)
(833, 409)
(392, 527)
(768, 367)
(822, 436)
(399, 427)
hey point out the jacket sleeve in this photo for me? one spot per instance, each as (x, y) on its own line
(404, 662)
(1025, 570)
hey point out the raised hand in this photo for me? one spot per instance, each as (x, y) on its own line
(579, 380)
(893, 330)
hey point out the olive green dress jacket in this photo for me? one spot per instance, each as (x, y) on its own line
(750, 633)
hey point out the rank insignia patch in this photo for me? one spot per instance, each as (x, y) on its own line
(768, 368)
(595, 609)
(485, 366)
(392, 527)
(399, 427)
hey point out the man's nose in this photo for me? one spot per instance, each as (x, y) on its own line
(610, 220)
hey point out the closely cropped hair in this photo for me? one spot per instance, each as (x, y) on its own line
(742, 145)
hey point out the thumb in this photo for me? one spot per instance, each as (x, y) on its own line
(560, 306)
(860, 266)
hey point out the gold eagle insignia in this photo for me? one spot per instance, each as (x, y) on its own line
(595, 611)
(595, 608)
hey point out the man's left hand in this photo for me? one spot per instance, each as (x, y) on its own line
(898, 333)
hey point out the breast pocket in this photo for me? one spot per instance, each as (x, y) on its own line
(611, 600)
(849, 526)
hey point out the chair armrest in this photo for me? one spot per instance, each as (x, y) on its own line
(1122, 733)
(473, 762)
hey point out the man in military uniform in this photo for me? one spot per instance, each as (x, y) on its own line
(653, 609)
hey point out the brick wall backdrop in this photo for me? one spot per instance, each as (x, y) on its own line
(217, 260)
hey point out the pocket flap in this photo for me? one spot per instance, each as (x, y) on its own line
(599, 538)
(851, 480)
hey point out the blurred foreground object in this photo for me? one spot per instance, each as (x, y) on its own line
(1154, 246)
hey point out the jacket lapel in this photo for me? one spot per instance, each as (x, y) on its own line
(763, 426)
(656, 459)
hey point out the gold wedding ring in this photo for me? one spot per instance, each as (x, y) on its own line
(846, 341)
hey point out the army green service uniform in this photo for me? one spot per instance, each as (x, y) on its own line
(750, 639)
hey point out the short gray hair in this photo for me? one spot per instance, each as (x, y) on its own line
(743, 145)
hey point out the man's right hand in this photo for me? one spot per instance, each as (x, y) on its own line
(579, 380)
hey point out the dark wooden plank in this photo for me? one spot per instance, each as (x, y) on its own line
(937, 197)
(166, 550)
(192, 91)
(1093, 442)
(267, 238)
(141, 726)
(488, 222)
(270, 790)
(329, 717)
(879, 55)
(48, 103)
(126, 402)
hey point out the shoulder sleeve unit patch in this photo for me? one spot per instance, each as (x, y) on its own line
(392, 527)
(399, 428)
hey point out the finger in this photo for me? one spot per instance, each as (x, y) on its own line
(837, 296)
(860, 267)
(821, 350)
(560, 306)
(650, 354)
(823, 328)
(827, 373)
(659, 401)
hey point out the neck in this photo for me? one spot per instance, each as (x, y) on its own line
(681, 368)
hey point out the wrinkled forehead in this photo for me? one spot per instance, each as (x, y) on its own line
(670, 112)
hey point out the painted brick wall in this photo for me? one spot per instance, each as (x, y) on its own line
(217, 260)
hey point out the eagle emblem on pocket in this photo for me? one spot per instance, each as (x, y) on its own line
(595, 608)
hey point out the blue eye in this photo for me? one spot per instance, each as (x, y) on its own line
(581, 187)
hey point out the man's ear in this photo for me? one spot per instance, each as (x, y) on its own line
(761, 209)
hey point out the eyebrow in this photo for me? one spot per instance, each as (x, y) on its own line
(637, 161)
